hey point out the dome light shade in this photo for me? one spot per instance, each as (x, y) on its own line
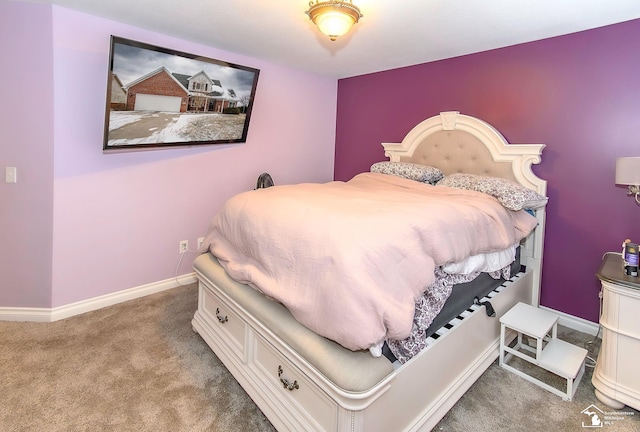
(334, 18)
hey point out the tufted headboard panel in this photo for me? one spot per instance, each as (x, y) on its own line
(458, 151)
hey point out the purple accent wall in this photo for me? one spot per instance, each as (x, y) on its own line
(579, 94)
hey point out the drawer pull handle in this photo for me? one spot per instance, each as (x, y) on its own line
(222, 319)
(286, 384)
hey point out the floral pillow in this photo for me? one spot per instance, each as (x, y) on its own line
(510, 194)
(408, 170)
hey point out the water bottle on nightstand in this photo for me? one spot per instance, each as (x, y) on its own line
(631, 258)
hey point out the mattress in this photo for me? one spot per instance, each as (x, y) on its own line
(461, 298)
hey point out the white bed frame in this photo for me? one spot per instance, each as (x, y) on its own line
(303, 382)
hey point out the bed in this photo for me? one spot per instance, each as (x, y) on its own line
(304, 381)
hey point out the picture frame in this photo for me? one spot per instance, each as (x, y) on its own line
(164, 98)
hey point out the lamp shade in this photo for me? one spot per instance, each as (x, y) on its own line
(628, 171)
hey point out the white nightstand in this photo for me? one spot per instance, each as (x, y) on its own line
(617, 373)
(550, 353)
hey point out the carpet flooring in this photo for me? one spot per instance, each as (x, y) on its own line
(138, 366)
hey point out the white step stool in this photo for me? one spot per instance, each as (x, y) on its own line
(558, 357)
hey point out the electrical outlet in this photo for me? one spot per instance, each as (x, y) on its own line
(200, 241)
(184, 246)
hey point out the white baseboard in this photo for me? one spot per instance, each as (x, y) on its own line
(575, 323)
(83, 306)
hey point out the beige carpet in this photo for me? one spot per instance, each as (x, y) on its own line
(138, 366)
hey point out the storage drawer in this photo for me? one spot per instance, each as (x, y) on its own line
(225, 321)
(292, 387)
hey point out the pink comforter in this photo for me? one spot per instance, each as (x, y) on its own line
(349, 259)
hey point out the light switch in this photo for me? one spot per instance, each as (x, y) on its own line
(11, 175)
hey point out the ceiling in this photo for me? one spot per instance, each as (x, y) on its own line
(392, 33)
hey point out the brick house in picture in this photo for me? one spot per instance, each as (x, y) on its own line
(162, 90)
(157, 91)
(206, 94)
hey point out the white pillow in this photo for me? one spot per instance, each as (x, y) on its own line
(487, 262)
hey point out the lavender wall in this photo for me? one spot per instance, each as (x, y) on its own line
(578, 94)
(101, 223)
(26, 142)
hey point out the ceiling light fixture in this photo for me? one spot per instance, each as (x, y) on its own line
(334, 18)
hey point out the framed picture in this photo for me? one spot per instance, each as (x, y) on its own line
(158, 97)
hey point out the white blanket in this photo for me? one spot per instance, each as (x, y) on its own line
(349, 259)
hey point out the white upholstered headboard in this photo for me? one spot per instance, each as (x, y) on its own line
(456, 142)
